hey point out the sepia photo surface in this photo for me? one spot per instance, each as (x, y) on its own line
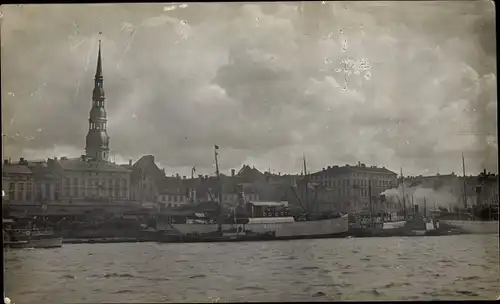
(264, 151)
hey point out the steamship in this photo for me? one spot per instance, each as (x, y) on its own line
(256, 221)
(252, 221)
(481, 218)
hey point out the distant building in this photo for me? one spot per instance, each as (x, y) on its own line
(30, 182)
(347, 188)
(487, 188)
(90, 180)
(146, 179)
(17, 181)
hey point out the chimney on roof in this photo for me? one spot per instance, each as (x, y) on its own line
(177, 175)
(233, 172)
(21, 160)
(329, 167)
(183, 177)
(206, 176)
(5, 161)
(10, 161)
(55, 158)
(130, 162)
(363, 165)
(279, 173)
(359, 163)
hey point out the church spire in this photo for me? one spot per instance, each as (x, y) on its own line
(98, 72)
(97, 142)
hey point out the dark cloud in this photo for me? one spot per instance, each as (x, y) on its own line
(263, 81)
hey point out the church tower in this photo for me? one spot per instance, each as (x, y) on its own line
(97, 141)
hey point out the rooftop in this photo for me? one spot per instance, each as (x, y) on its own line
(80, 164)
(16, 169)
(335, 170)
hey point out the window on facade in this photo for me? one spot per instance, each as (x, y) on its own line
(12, 186)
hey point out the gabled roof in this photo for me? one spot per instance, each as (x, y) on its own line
(16, 169)
(147, 165)
(78, 164)
(248, 173)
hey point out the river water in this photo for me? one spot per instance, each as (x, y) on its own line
(418, 268)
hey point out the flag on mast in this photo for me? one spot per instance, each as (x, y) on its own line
(216, 147)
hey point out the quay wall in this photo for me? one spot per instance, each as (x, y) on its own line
(475, 227)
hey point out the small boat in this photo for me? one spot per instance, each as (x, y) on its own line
(34, 238)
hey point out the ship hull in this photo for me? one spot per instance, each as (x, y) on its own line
(55, 242)
(474, 227)
(336, 227)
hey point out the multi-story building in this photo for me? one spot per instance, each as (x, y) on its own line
(179, 191)
(487, 188)
(29, 182)
(86, 179)
(348, 188)
(17, 181)
(146, 179)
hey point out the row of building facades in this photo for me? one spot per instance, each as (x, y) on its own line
(335, 188)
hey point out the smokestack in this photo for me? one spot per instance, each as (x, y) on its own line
(359, 163)
(130, 162)
(233, 172)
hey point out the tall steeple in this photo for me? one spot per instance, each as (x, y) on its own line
(97, 141)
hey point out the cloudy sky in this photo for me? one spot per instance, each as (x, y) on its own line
(400, 84)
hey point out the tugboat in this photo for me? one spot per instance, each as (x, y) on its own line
(31, 237)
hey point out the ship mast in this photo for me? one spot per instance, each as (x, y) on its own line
(465, 183)
(306, 178)
(370, 201)
(216, 148)
(403, 189)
